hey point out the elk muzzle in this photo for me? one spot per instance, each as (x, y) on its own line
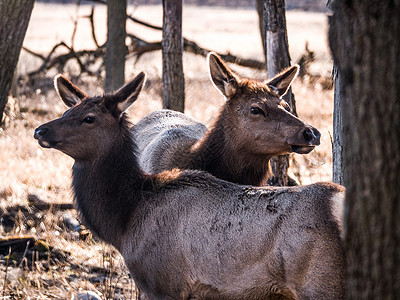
(311, 138)
(44, 137)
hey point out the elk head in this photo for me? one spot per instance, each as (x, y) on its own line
(259, 119)
(90, 126)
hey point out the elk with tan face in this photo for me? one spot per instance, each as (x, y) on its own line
(254, 125)
(187, 234)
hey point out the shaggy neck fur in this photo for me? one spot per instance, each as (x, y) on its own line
(217, 154)
(106, 189)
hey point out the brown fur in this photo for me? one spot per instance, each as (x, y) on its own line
(187, 234)
(253, 126)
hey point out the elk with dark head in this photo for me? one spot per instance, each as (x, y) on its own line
(254, 125)
(187, 234)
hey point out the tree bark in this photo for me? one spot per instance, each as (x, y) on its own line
(337, 145)
(277, 57)
(116, 49)
(364, 39)
(173, 81)
(14, 20)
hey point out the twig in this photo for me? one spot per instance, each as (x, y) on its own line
(34, 53)
(78, 4)
(6, 272)
(81, 65)
(143, 23)
(91, 20)
(23, 256)
(331, 138)
(74, 33)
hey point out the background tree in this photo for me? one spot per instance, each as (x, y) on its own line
(260, 12)
(115, 48)
(337, 138)
(337, 144)
(276, 51)
(364, 39)
(173, 81)
(14, 20)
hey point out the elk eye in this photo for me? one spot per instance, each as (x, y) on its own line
(257, 111)
(89, 120)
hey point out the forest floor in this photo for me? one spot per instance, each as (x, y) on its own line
(62, 258)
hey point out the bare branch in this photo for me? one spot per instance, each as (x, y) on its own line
(61, 60)
(91, 19)
(34, 53)
(143, 23)
(192, 47)
(78, 4)
(44, 67)
(141, 47)
(137, 47)
(99, 1)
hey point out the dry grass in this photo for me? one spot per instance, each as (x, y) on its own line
(26, 169)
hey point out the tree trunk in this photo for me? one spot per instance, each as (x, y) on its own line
(364, 39)
(337, 147)
(260, 12)
(173, 81)
(14, 20)
(277, 58)
(115, 48)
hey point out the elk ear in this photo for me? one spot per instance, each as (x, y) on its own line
(68, 92)
(222, 78)
(280, 84)
(126, 95)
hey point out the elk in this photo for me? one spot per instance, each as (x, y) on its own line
(185, 234)
(254, 125)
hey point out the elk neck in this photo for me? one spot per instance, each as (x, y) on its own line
(218, 154)
(107, 190)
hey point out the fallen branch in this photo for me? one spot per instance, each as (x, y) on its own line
(16, 243)
(39, 204)
(42, 207)
(60, 61)
(137, 47)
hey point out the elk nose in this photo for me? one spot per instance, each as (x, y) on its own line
(40, 132)
(312, 136)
